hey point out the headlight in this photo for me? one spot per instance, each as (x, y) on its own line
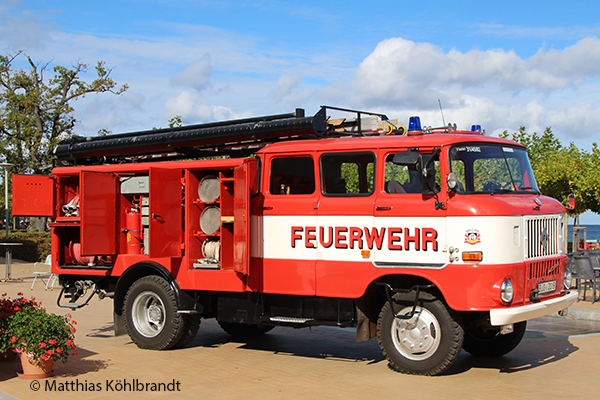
(568, 279)
(506, 291)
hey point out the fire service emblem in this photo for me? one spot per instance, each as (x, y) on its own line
(472, 236)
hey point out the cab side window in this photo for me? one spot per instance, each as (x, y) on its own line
(404, 178)
(347, 174)
(292, 175)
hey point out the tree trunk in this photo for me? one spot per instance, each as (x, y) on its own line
(37, 224)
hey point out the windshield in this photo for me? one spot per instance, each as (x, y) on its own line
(489, 168)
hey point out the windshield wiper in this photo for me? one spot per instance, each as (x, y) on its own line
(498, 190)
(506, 190)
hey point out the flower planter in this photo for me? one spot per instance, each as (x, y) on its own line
(44, 369)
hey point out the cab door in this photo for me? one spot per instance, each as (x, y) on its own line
(344, 216)
(409, 228)
(287, 252)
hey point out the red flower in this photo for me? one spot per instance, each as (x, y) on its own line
(52, 341)
(69, 342)
(13, 339)
(74, 354)
(73, 329)
(42, 345)
(74, 322)
(20, 294)
(59, 350)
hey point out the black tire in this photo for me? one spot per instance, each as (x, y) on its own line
(426, 344)
(151, 317)
(490, 343)
(244, 330)
(191, 324)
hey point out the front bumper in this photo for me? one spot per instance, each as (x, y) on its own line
(505, 316)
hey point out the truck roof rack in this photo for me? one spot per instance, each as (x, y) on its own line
(240, 137)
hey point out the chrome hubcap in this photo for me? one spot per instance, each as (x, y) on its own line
(416, 338)
(148, 314)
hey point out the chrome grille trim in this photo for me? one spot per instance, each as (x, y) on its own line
(542, 236)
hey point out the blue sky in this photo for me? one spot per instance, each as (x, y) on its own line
(498, 64)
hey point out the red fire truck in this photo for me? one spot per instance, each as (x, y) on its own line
(430, 239)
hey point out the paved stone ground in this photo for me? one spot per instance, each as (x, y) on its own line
(302, 364)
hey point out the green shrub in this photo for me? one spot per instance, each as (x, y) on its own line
(36, 245)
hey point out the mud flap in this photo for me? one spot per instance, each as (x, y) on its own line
(365, 328)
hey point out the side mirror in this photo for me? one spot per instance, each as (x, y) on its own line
(423, 163)
(408, 158)
(426, 170)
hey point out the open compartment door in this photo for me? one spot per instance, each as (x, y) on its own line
(98, 213)
(241, 218)
(32, 195)
(165, 212)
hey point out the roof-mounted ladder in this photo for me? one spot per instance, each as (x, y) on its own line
(235, 137)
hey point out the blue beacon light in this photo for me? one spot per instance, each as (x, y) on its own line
(475, 128)
(414, 124)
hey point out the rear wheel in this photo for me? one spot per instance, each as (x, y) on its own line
(244, 330)
(151, 317)
(191, 324)
(425, 344)
(490, 343)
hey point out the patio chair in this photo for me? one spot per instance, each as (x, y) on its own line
(51, 278)
(587, 275)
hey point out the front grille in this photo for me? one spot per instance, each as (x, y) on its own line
(542, 236)
(543, 268)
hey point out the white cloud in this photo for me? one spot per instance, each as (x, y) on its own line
(182, 104)
(192, 109)
(292, 91)
(25, 31)
(400, 70)
(493, 87)
(196, 75)
(285, 85)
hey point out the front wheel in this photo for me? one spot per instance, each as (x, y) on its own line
(490, 343)
(151, 317)
(425, 344)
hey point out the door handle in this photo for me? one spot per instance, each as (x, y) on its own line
(266, 208)
(383, 208)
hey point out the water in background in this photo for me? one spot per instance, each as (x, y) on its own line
(593, 233)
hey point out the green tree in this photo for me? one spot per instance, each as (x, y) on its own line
(36, 111)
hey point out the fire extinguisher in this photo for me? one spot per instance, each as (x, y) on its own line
(133, 230)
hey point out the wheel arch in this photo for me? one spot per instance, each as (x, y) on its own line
(185, 300)
(374, 298)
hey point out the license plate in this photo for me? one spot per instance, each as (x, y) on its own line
(546, 287)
